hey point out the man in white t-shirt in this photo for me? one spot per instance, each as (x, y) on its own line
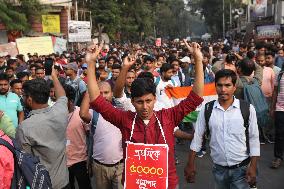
(162, 82)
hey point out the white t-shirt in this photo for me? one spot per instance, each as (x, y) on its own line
(161, 94)
(107, 147)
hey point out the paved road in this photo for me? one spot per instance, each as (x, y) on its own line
(268, 178)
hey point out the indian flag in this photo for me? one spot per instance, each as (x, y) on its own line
(177, 94)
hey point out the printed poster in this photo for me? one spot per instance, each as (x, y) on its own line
(146, 166)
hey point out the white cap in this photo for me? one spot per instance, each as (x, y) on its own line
(185, 59)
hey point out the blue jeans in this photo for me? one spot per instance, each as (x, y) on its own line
(230, 178)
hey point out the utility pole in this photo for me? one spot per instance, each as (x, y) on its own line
(230, 15)
(223, 19)
(76, 10)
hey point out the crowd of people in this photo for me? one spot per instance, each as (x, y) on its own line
(75, 111)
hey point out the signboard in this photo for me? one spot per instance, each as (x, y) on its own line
(8, 49)
(59, 45)
(50, 23)
(39, 45)
(57, 2)
(79, 31)
(146, 166)
(159, 42)
(268, 32)
(258, 9)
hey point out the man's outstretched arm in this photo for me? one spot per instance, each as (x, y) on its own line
(91, 58)
(198, 86)
(120, 81)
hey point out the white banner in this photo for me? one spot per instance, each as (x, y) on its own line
(79, 31)
(60, 45)
(268, 32)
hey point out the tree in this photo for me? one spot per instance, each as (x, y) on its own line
(18, 17)
(107, 13)
(212, 10)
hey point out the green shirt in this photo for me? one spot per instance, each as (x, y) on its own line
(10, 104)
(7, 126)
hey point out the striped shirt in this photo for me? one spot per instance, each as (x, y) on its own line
(280, 96)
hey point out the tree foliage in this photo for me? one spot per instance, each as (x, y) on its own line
(18, 17)
(212, 10)
(136, 19)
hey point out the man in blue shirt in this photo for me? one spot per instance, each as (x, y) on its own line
(10, 102)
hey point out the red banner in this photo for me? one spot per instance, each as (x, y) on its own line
(146, 166)
(159, 42)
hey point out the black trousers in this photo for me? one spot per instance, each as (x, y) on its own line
(279, 135)
(79, 171)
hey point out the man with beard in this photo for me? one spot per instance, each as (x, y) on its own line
(10, 103)
(163, 82)
(149, 66)
(43, 133)
(10, 72)
(75, 81)
(234, 150)
(115, 70)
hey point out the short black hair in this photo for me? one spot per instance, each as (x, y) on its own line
(111, 57)
(243, 45)
(101, 59)
(270, 53)
(227, 74)
(166, 67)
(148, 75)
(21, 75)
(250, 54)
(141, 87)
(11, 61)
(33, 66)
(4, 76)
(148, 58)
(174, 60)
(247, 66)
(70, 92)
(37, 89)
(226, 49)
(116, 66)
(15, 81)
(230, 58)
(9, 68)
(39, 68)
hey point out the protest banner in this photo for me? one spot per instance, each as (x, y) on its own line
(59, 45)
(39, 45)
(146, 166)
(50, 23)
(159, 42)
(8, 49)
(79, 31)
(268, 32)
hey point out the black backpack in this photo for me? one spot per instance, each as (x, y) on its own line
(245, 110)
(28, 171)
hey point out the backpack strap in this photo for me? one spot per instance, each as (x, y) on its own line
(180, 78)
(245, 110)
(278, 80)
(207, 115)
(157, 80)
(173, 81)
(5, 143)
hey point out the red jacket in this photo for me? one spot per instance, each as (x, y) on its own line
(6, 164)
(151, 134)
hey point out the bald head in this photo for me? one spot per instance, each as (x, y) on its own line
(105, 90)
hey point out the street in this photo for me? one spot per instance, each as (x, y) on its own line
(268, 178)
